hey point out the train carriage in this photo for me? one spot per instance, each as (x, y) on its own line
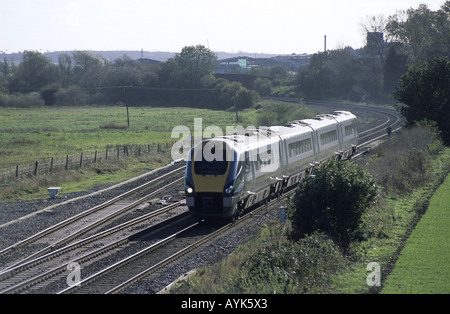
(228, 174)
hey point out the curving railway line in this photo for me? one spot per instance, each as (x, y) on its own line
(114, 256)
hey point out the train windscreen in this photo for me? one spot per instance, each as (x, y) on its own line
(211, 162)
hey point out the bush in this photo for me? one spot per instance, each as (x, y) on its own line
(263, 86)
(305, 266)
(332, 201)
(71, 96)
(402, 164)
(275, 114)
(22, 100)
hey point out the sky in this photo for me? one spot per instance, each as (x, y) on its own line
(255, 26)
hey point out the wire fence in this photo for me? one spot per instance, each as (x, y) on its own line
(83, 159)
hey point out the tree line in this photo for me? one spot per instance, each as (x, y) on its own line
(411, 68)
(372, 73)
(82, 78)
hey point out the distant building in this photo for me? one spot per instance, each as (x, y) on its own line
(243, 64)
(147, 61)
(375, 42)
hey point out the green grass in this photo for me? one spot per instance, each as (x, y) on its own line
(30, 134)
(35, 134)
(424, 263)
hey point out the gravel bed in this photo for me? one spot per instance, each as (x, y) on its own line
(10, 211)
(20, 230)
(210, 254)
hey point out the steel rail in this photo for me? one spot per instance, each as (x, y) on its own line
(127, 260)
(85, 213)
(63, 241)
(29, 282)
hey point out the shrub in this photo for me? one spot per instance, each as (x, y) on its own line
(71, 96)
(22, 100)
(305, 266)
(332, 201)
(402, 164)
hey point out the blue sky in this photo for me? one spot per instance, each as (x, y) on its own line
(257, 26)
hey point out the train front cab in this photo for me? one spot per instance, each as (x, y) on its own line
(210, 180)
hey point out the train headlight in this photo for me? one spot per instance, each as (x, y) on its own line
(189, 190)
(229, 189)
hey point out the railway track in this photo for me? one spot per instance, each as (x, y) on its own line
(52, 267)
(145, 262)
(155, 258)
(31, 256)
(382, 117)
(79, 225)
(133, 259)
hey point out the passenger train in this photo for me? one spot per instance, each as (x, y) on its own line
(228, 174)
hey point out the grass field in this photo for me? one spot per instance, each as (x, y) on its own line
(424, 263)
(38, 134)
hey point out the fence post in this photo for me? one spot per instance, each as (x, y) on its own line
(35, 168)
(81, 160)
(95, 157)
(67, 162)
(51, 165)
(106, 153)
(17, 171)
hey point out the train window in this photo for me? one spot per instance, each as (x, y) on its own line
(214, 167)
(349, 129)
(299, 147)
(329, 137)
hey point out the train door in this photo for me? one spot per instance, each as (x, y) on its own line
(315, 139)
(340, 134)
(283, 156)
(248, 172)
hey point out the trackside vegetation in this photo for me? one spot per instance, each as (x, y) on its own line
(333, 200)
(276, 262)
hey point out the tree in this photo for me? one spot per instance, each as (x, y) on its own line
(88, 69)
(35, 72)
(424, 92)
(425, 32)
(263, 86)
(65, 67)
(228, 94)
(331, 74)
(332, 201)
(186, 69)
(394, 68)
